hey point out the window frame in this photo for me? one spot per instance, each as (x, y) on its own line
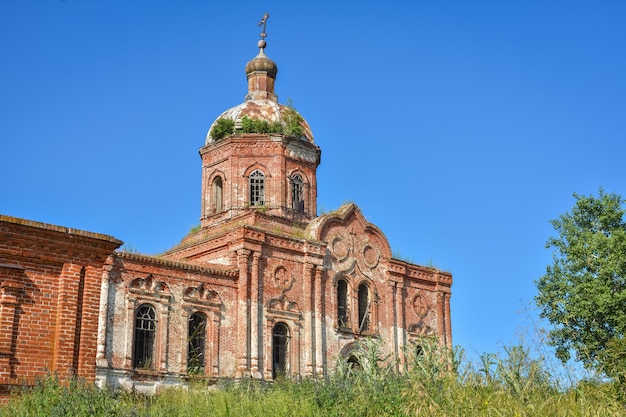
(197, 342)
(297, 192)
(361, 309)
(145, 332)
(364, 308)
(218, 194)
(256, 188)
(342, 303)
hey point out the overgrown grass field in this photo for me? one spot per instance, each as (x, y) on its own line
(435, 383)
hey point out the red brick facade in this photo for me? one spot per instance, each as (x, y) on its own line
(50, 280)
(265, 286)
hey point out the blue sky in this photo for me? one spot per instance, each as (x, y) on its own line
(459, 128)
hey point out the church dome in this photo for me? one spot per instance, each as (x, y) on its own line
(261, 103)
(262, 63)
(266, 110)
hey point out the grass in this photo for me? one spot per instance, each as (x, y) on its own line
(438, 383)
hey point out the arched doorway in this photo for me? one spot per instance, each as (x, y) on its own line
(353, 363)
(280, 349)
(350, 355)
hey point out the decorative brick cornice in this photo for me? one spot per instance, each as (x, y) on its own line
(419, 272)
(253, 226)
(59, 229)
(229, 273)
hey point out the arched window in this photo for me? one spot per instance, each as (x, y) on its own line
(280, 345)
(342, 303)
(297, 194)
(257, 188)
(364, 308)
(197, 343)
(145, 337)
(217, 194)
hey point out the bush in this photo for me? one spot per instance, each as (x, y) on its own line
(223, 127)
(293, 121)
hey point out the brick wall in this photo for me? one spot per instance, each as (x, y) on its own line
(50, 288)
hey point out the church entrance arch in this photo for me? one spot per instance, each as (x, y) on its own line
(280, 349)
(349, 354)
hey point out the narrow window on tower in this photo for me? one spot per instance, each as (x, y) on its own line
(342, 303)
(217, 194)
(297, 194)
(257, 188)
(145, 337)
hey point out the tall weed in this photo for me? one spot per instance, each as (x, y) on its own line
(432, 380)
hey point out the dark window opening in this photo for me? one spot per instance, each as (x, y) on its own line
(145, 337)
(297, 187)
(353, 363)
(280, 339)
(257, 188)
(342, 303)
(419, 351)
(197, 343)
(364, 308)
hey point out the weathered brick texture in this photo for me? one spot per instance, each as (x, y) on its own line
(50, 288)
(265, 286)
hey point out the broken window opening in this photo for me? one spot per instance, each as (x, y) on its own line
(364, 308)
(342, 303)
(196, 343)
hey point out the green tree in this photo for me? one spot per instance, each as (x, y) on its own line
(583, 293)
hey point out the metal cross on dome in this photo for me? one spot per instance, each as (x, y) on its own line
(264, 23)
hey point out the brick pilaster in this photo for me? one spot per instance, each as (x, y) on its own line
(242, 315)
(67, 325)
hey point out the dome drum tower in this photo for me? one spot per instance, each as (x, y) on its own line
(269, 169)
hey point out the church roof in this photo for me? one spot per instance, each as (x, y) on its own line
(261, 103)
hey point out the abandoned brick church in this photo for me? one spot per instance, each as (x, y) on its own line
(264, 287)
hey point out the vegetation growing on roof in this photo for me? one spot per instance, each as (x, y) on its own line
(293, 121)
(127, 247)
(395, 254)
(290, 124)
(223, 127)
(249, 125)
